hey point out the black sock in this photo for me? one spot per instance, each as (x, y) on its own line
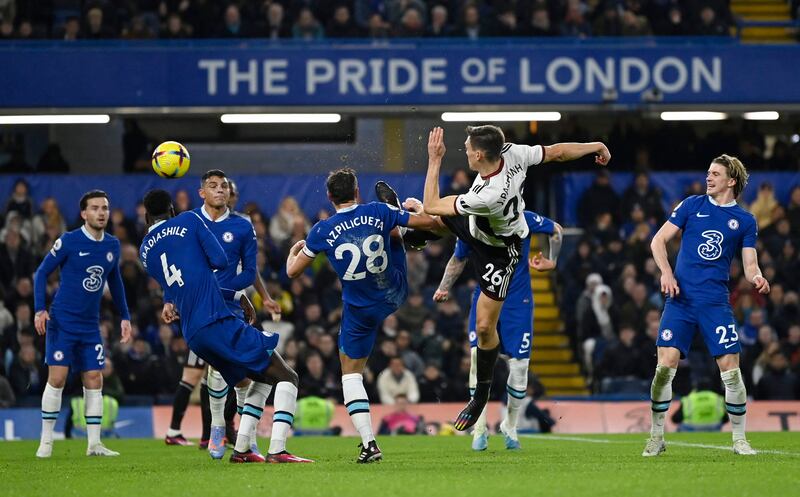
(205, 412)
(179, 404)
(486, 360)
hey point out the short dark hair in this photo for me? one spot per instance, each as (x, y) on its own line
(157, 203)
(212, 172)
(90, 195)
(488, 139)
(342, 184)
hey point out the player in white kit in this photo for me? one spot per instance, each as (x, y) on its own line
(489, 219)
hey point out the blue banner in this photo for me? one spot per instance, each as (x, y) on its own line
(26, 423)
(410, 73)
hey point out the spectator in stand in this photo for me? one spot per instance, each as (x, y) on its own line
(609, 23)
(400, 421)
(709, 24)
(778, 381)
(7, 398)
(183, 202)
(283, 222)
(377, 27)
(505, 23)
(307, 27)
(411, 24)
(16, 261)
(764, 205)
(646, 196)
(138, 29)
(634, 24)
(439, 26)
(275, 25)
(413, 313)
(412, 361)
(598, 198)
(622, 364)
(71, 30)
(95, 29)
(175, 29)
(471, 26)
(793, 212)
(791, 346)
(574, 23)
(20, 201)
(598, 325)
(674, 24)
(317, 381)
(342, 24)
(635, 311)
(397, 380)
(27, 374)
(433, 387)
(584, 302)
(539, 24)
(234, 26)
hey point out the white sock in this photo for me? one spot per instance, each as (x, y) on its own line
(735, 401)
(94, 414)
(251, 414)
(51, 407)
(357, 403)
(660, 398)
(480, 425)
(285, 406)
(516, 387)
(241, 393)
(217, 395)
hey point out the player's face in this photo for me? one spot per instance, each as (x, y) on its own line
(96, 213)
(216, 192)
(717, 179)
(473, 155)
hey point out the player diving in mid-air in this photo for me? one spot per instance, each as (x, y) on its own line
(488, 218)
(88, 258)
(364, 246)
(181, 253)
(714, 228)
(515, 326)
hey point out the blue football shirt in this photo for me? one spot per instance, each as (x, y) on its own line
(712, 235)
(356, 242)
(181, 254)
(520, 286)
(86, 264)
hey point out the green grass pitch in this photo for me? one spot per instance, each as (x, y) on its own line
(552, 465)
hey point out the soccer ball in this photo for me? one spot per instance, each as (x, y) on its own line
(170, 160)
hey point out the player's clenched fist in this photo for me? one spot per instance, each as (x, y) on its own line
(441, 296)
(603, 155)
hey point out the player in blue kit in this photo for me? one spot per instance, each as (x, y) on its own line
(87, 258)
(181, 253)
(515, 325)
(714, 228)
(363, 245)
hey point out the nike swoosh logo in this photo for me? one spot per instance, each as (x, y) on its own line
(702, 215)
(730, 345)
(83, 253)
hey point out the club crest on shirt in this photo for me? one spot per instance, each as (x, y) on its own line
(109, 257)
(227, 237)
(666, 335)
(733, 224)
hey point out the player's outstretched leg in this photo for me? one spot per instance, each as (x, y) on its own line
(51, 407)
(480, 436)
(661, 397)
(516, 388)
(217, 395)
(736, 405)
(179, 404)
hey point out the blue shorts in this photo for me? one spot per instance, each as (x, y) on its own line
(681, 319)
(515, 326)
(234, 348)
(359, 328)
(82, 351)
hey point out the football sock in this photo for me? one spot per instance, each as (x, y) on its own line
(485, 360)
(217, 395)
(285, 406)
(205, 410)
(251, 414)
(735, 401)
(516, 387)
(51, 406)
(241, 393)
(179, 404)
(660, 397)
(93, 400)
(357, 403)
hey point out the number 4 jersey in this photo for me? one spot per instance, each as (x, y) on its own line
(181, 254)
(356, 241)
(86, 264)
(494, 203)
(712, 235)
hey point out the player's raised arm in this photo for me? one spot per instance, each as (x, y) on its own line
(455, 266)
(541, 263)
(751, 270)
(669, 285)
(299, 260)
(562, 152)
(432, 203)
(51, 261)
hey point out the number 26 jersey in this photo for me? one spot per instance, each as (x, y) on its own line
(712, 235)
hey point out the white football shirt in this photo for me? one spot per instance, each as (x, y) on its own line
(494, 203)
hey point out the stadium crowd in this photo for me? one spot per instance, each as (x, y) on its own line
(608, 290)
(376, 19)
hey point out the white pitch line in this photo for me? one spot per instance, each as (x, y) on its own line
(676, 443)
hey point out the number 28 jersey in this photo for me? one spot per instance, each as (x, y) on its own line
(494, 203)
(356, 242)
(712, 235)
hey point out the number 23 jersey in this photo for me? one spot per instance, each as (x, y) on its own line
(356, 241)
(712, 236)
